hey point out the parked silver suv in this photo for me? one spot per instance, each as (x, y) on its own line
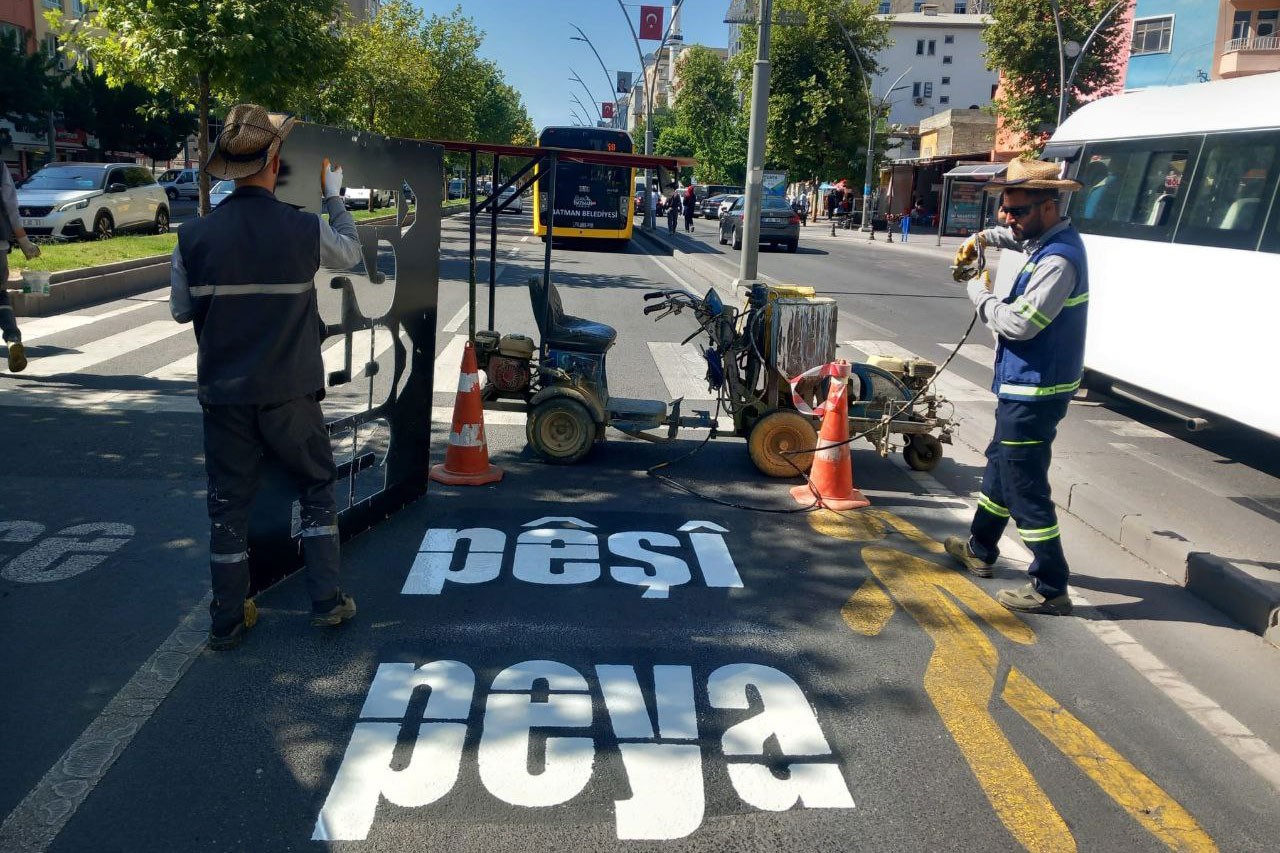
(92, 200)
(181, 183)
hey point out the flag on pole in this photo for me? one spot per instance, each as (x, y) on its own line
(651, 22)
(606, 110)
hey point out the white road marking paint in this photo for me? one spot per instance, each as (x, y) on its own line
(105, 349)
(954, 387)
(182, 370)
(683, 371)
(664, 769)
(448, 365)
(980, 354)
(43, 327)
(72, 551)
(1212, 717)
(456, 321)
(1129, 429)
(42, 814)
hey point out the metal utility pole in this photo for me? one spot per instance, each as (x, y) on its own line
(648, 114)
(748, 265)
(610, 81)
(1075, 50)
(590, 97)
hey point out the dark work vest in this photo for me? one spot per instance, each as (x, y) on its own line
(251, 265)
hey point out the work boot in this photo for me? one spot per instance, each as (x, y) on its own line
(227, 642)
(17, 357)
(959, 549)
(1025, 599)
(335, 611)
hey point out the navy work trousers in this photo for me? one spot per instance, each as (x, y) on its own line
(235, 439)
(8, 324)
(1016, 484)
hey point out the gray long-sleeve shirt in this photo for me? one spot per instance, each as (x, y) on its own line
(339, 250)
(9, 201)
(1051, 284)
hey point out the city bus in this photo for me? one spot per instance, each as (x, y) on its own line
(592, 202)
(1181, 220)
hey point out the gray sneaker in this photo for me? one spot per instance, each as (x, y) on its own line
(344, 610)
(959, 550)
(1025, 599)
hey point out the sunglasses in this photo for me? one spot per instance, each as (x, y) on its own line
(1018, 211)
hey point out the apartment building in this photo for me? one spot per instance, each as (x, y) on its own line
(1187, 41)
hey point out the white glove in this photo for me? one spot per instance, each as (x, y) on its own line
(330, 180)
(31, 250)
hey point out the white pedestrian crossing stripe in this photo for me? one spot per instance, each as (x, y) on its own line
(43, 327)
(954, 387)
(113, 346)
(683, 370)
(449, 365)
(980, 354)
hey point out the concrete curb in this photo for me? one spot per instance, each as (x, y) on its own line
(78, 288)
(1246, 593)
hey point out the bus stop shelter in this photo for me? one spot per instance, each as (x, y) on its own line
(964, 202)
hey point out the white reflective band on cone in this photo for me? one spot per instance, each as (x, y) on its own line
(468, 382)
(467, 435)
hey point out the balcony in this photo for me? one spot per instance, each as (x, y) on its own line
(1244, 56)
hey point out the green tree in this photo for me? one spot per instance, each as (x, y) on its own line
(260, 50)
(500, 114)
(1023, 45)
(818, 97)
(128, 117)
(707, 119)
(30, 87)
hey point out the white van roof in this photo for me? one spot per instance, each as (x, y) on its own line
(1244, 103)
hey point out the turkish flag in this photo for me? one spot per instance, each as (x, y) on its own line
(651, 22)
(606, 110)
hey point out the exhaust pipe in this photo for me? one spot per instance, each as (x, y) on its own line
(1198, 425)
(1192, 423)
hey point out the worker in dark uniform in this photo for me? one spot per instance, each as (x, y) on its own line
(245, 275)
(1040, 332)
(11, 231)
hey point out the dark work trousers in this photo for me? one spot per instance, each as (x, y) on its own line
(235, 440)
(1016, 483)
(8, 322)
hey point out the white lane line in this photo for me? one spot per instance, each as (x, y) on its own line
(50, 805)
(448, 365)
(1129, 429)
(980, 354)
(682, 369)
(1238, 738)
(107, 348)
(955, 388)
(679, 280)
(43, 327)
(456, 321)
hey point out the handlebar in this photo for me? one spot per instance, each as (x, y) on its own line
(657, 294)
(649, 309)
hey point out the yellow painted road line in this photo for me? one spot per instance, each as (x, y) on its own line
(1128, 786)
(868, 610)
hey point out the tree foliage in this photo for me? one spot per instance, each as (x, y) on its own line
(29, 86)
(706, 119)
(818, 94)
(127, 118)
(1022, 43)
(257, 50)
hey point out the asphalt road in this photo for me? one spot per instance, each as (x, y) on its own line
(584, 658)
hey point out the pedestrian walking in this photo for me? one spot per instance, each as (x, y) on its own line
(244, 275)
(11, 232)
(906, 226)
(803, 203)
(1040, 328)
(690, 205)
(673, 210)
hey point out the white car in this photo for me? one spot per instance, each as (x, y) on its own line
(363, 198)
(180, 183)
(726, 204)
(517, 201)
(92, 201)
(219, 192)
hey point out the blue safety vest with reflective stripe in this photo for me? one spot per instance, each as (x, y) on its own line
(251, 265)
(1049, 365)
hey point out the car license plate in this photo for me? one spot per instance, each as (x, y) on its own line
(772, 221)
(27, 222)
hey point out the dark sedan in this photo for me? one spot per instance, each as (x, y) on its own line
(710, 207)
(779, 224)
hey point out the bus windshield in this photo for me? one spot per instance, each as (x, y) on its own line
(589, 198)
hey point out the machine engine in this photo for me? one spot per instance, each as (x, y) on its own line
(507, 361)
(911, 372)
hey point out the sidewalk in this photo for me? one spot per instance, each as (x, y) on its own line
(1221, 556)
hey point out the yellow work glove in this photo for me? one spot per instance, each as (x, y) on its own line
(968, 251)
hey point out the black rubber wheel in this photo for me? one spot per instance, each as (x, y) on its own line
(561, 431)
(721, 238)
(162, 220)
(171, 193)
(923, 452)
(792, 246)
(773, 439)
(104, 227)
(737, 239)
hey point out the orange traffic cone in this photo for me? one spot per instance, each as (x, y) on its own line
(466, 462)
(832, 473)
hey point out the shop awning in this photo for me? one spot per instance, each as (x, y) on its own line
(977, 171)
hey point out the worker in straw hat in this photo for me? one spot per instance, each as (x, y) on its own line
(1040, 332)
(244, 275)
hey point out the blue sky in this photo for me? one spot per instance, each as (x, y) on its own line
(529, 39)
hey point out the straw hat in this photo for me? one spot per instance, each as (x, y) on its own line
(250, 137)
(1033, 175)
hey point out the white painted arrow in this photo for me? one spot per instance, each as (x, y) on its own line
(702, 525)
(567, 519)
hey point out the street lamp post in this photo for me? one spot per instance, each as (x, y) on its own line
(1074, 50)
(648, 113)
(581, 36)
(592, 98)
(748, 264)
